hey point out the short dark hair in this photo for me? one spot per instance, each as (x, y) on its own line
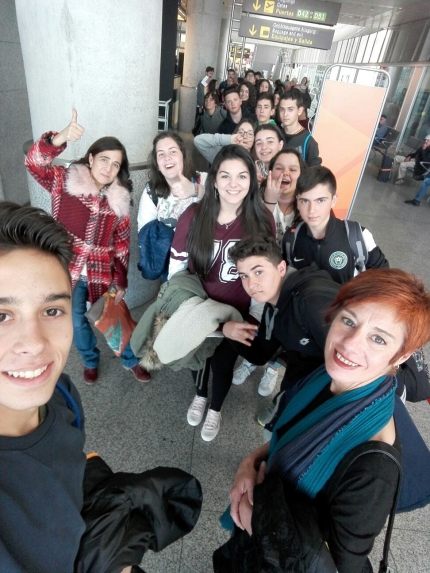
(231, 70)
(214, 95)
(249, 72)
(156, 178)
(256, 247)
(110, 143)
(295, 95)
(210, 69)
(33, 228)
(383, 115)
(232, 90)
(266, 95)
(313, 176)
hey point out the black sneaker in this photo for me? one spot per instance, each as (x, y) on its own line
(413, 202)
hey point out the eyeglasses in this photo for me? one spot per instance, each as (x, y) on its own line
(247, 133)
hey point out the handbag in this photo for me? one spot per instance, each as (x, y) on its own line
(114, 321)
(198, 126)
(286, 532)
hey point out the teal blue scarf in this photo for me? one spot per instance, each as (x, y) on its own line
(308, 453)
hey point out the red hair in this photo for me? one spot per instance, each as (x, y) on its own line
(403, 293)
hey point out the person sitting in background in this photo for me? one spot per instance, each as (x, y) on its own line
(213, 115)
(413, 161)
(289, 110)
(381, 132)
(235, 112)
(210, 145)
(376, 322)
(416, 201)
(248, 96)
(265, 109)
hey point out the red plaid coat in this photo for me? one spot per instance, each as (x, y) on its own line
(99, 224)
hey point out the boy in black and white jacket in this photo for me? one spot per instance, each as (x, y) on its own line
(323, 238)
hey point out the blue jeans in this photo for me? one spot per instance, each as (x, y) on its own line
(83, 335)
(423, 189)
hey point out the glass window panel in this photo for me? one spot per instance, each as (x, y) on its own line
(377, 46)
(352, 58)
(369, 46)
(342, 51)
(338, 47)
(384, 47)
(361, 49)
(419, 121)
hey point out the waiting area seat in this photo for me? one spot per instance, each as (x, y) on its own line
(388, 142)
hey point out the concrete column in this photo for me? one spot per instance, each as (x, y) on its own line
(100, 56)
(220, 69)
(201, 50)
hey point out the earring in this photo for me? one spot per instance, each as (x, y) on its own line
(216, 194)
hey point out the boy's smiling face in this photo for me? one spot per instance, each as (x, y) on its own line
(35, 328)
(261, 278)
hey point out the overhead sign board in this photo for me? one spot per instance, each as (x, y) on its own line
(315, 11)
(276, 30)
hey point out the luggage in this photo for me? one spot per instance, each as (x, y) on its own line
(386, 168)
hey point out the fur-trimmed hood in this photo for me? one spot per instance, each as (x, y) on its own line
(80, 182)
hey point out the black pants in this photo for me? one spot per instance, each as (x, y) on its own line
(222, 365)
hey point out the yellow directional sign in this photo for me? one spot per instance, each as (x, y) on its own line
(264, 32)
(284, 32)
(257, 5)
(269, 6)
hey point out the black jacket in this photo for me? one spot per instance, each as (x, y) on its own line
(227, 126)
(297, 141)
(333, 253)
(420, 155)
(126, 514)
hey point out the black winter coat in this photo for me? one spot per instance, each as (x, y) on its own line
(126, 514)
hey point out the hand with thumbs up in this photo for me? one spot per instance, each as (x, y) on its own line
(184, 188)
(73, 132)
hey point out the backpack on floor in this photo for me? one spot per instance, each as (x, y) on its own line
(384, 174)
(355, 239)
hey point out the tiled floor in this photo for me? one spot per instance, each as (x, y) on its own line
(136, 426)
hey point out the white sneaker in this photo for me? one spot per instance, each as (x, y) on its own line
(211, 426)
(268, 382)
(196, 411)
(242, 372)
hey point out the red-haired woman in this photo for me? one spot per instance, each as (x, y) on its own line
(377, 321)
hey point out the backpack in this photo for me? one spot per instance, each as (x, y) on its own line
(71, 404)
(355, 239)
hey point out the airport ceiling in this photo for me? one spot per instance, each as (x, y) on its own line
(371, 15)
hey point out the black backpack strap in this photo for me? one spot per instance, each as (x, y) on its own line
(357, 244)
(373, 448)
(289, 242)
